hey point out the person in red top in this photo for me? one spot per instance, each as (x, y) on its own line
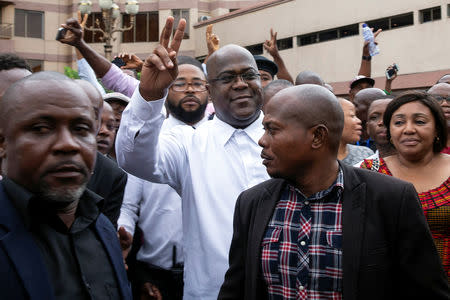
(417, 128)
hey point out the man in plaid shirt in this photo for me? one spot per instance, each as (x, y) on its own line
(323, 230)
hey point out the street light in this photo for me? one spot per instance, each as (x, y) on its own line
(110, 14)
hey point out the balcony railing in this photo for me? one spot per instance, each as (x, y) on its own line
(6, 31)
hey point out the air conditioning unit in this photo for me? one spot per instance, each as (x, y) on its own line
(203, 18)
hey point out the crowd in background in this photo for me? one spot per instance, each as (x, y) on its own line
(175, 149)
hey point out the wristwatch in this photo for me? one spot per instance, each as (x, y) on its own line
(368, 58)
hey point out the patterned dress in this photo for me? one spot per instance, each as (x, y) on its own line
(436, 207)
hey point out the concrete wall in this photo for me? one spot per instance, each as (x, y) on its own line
(417, 48)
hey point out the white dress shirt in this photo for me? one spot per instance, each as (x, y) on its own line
(157, 208)
(209, 167)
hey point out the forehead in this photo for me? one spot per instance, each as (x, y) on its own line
(379, 105)
(190, 71)
(283, 107)
(265, 73)
(411, 108)
(47, 98)
(347, 105)
(233, 60)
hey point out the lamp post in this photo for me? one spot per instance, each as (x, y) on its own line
(110, 14)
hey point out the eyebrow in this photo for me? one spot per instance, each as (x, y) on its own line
(414, 115)
(195, 78)
(233, 72)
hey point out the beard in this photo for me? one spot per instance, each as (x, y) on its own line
(63, 195)
(190, 117)
(60, 197)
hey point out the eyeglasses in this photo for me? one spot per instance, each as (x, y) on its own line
(229, 78)
(182, 85)
(440, 99)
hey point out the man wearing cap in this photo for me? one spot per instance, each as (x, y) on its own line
(267, 68)
(359, 83)
(118, 103)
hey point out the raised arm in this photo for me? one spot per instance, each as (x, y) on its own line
(140, 149)
(365, 68)
(212, 42)
(74, 37)
(272, 48)
(388, 84)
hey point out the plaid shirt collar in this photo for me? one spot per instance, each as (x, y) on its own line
(338, 186)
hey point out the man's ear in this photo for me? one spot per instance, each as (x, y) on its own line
(320, 136)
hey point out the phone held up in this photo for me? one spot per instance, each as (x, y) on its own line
(392, 71)
(118, 62)
(61, 33)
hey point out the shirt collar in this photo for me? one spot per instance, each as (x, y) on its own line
(226, 131)
(337, 185)
(24, 202)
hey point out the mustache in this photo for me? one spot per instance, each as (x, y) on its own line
(190, 98)
(67, 165)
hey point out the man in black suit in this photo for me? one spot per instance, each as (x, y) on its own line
(107, 180)
(320, 229)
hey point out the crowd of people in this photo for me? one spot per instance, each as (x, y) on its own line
(226, 179)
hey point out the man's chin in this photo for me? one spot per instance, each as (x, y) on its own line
(61, 196)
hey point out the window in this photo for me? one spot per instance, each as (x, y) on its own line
(256, 49)
(29, 23)
(392, 22)
(94, 36)
(146, 28)
(307, 39)
(284, 43)
(430, 14)
(348, 30)
(327, 35)
(177, 15)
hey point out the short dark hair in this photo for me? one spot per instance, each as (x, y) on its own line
(187, 60)
(427, 100)
(10, 61)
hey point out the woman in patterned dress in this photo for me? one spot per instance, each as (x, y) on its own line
(417, 128)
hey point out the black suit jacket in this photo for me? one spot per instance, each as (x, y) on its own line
(23, 272)
(388, 250)
(108, 181)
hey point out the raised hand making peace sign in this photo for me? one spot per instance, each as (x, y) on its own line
(160, 68)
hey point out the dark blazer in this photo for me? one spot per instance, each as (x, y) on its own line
(388, 251)
(23, 274)
(108, 181)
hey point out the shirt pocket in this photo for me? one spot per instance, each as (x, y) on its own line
(332, 262)
(270, 247)
(334, 239)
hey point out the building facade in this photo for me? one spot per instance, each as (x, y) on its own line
(28, 28)
(326, 37)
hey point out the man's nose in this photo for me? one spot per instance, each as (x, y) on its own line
(66, 142)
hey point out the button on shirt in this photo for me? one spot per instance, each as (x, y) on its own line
(209, 167)
(157, 209)
(76, 261)
(301, 252)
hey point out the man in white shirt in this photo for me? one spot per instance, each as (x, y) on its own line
(209, 167)
(157, 207)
